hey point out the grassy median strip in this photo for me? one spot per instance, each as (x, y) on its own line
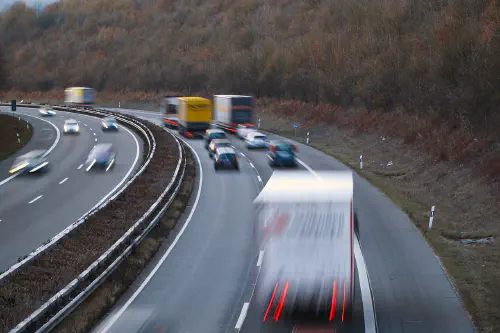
(100, 302)
(10, 127)
(22, 292)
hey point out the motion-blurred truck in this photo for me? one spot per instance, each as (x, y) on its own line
(232, 110)
(169, 109)
(194, 116)
(304, 228)
(79, 96)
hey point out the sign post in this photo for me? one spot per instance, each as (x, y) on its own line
(13, 105)
(295, 126)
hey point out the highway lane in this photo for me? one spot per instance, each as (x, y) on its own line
(410, 289)
(34, 208)
(211, 271)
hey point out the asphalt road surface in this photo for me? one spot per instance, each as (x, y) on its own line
(202, 280)
(36, 207)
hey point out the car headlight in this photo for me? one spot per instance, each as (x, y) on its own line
(65, 128)
(16, 169)
(77, 128)
(104, 124)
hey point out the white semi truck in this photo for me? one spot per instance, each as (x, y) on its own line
(304, 228)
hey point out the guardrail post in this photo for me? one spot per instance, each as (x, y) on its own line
(307, 139)
(258, 123)
(431, 218)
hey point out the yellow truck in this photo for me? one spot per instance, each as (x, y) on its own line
(194, 115)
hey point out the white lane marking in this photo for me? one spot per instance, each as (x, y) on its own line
(94, 133)
(260, 179)
(251, 164)
(307, 167)
(242, 316)
(85, 125)
(63, 181)
(80, 166)
(46, 153)
(38, 197)
(95, 139)
(259, 261)
(364, 280)
(242, 154)
(113, 319)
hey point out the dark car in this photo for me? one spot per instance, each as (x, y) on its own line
(211, 134)
(216, 144)
(225, 158)
(102, 155)
(109, 124)
(281, 153)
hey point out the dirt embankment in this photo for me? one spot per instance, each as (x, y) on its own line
(28, 288)
(14, 134)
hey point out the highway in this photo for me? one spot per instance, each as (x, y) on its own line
(36, 207)
(202, 281)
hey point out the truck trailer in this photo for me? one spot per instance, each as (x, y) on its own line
(304, 228)
(194, 116)
(79, 95)
(232, 110)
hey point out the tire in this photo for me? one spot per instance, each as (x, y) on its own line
(216, 167)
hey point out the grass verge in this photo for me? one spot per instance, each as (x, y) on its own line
(10, 126)
(88, 314)
(25, 290)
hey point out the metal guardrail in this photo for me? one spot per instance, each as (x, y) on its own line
(129, 240)
(56, 239)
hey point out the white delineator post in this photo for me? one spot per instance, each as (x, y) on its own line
(258, 124)
(119, 104)
(307, 139)
(361, 161)
(18, 139)
(432, 217)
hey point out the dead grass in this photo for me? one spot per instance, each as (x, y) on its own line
(101, 301)
(9, 127)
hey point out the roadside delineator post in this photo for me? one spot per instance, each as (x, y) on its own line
(361, 161)
(119, 104)
(258, 124)
(307, 140)
(432, 217)
(18, 139)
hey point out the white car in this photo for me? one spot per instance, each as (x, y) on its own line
(243, 131)
(47, 112)
(71, 126)
(256, 140)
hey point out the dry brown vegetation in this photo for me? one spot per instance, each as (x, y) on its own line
(419, 55)
(9, 127)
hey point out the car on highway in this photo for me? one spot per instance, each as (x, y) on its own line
(71, 127)
(103, 155)
(47, 111)
(211, 134)
(281, 153)
(243, 130)
(225, 158)
(109, 124)
(33, 161)
(171, 122)
(217, 143)
(255, 140)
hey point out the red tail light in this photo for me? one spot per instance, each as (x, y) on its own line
(294, 147)
(282, 301)
(343, 305)
(189, 135)
(270, 302)
(334, 300)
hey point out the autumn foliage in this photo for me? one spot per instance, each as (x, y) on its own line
(417, 56)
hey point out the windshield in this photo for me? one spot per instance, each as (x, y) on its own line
(217, 135)
(284, 147)
(71, 122)
(226, 156)
(260, 137)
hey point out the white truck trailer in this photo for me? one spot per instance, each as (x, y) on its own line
(232, 110)
(304, 226)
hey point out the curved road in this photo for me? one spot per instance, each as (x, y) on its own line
(202, 281)
(34, 208)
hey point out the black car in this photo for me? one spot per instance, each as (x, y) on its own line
(225, 158)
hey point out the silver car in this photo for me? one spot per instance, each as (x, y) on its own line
(47, 112)
(256, 140)
(71, 126)
(102, 155)
(31, 162)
